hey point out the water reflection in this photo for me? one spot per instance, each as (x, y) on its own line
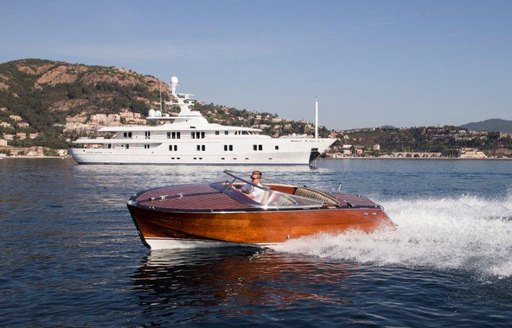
(232, 279)
(157, 175)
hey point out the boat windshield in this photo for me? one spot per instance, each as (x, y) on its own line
(272, 199)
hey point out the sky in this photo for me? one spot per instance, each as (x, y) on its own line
(370, 63)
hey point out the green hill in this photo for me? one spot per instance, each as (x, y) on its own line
(43, 93)
(494, 124)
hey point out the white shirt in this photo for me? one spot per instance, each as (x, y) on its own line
(255, 193)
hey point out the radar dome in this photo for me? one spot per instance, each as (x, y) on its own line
(158, 113)
(151, 113)
(174, 80)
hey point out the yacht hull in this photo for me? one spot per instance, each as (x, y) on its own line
(296, 152)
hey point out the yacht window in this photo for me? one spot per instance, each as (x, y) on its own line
(277, 147)
(197, 135)
(260, 147)
(173, 147)
(226, 132)
(127, 146)
(245, 132)
(129, 134)
(147, 134)
(109, 146)
(178, 135)
(217, 133)
(230, 147)
(146, 146)
(168, 135)
(254, 147)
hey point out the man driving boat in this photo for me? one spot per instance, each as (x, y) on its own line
(254, 192)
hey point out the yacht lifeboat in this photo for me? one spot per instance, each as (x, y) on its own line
(218, 213)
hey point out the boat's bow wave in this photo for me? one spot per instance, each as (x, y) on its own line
(464, 233)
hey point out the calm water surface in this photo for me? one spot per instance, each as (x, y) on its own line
(71, 256)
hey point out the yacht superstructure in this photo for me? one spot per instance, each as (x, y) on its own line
(188, 138)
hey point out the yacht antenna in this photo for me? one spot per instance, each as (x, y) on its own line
(174, 84)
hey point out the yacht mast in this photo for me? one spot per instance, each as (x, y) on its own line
(316, 117)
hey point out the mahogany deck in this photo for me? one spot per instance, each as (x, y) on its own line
(354, 200)
(203, 197)
(189, 198)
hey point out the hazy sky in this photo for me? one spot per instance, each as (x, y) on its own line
(371, 63)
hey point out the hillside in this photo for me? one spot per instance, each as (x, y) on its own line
(43, 93)
(494, 124)
(38, 97)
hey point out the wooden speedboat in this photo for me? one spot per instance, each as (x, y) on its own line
(220, 214)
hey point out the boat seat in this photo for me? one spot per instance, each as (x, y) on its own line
(313, 194)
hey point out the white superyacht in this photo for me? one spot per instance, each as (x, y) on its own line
(188, 138)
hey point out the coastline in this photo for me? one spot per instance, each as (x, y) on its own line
(420, 158)
(325, 158)
(34, 157)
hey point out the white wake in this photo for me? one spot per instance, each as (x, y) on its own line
(468, 233)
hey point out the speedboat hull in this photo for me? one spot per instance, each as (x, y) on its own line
(172, 229)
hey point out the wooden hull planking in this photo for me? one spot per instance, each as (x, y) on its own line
(253, 227)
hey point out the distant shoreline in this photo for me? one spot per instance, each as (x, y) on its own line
(34, 157)
(420, 158)
(326, 158)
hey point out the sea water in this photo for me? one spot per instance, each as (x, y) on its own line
(71, 255)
